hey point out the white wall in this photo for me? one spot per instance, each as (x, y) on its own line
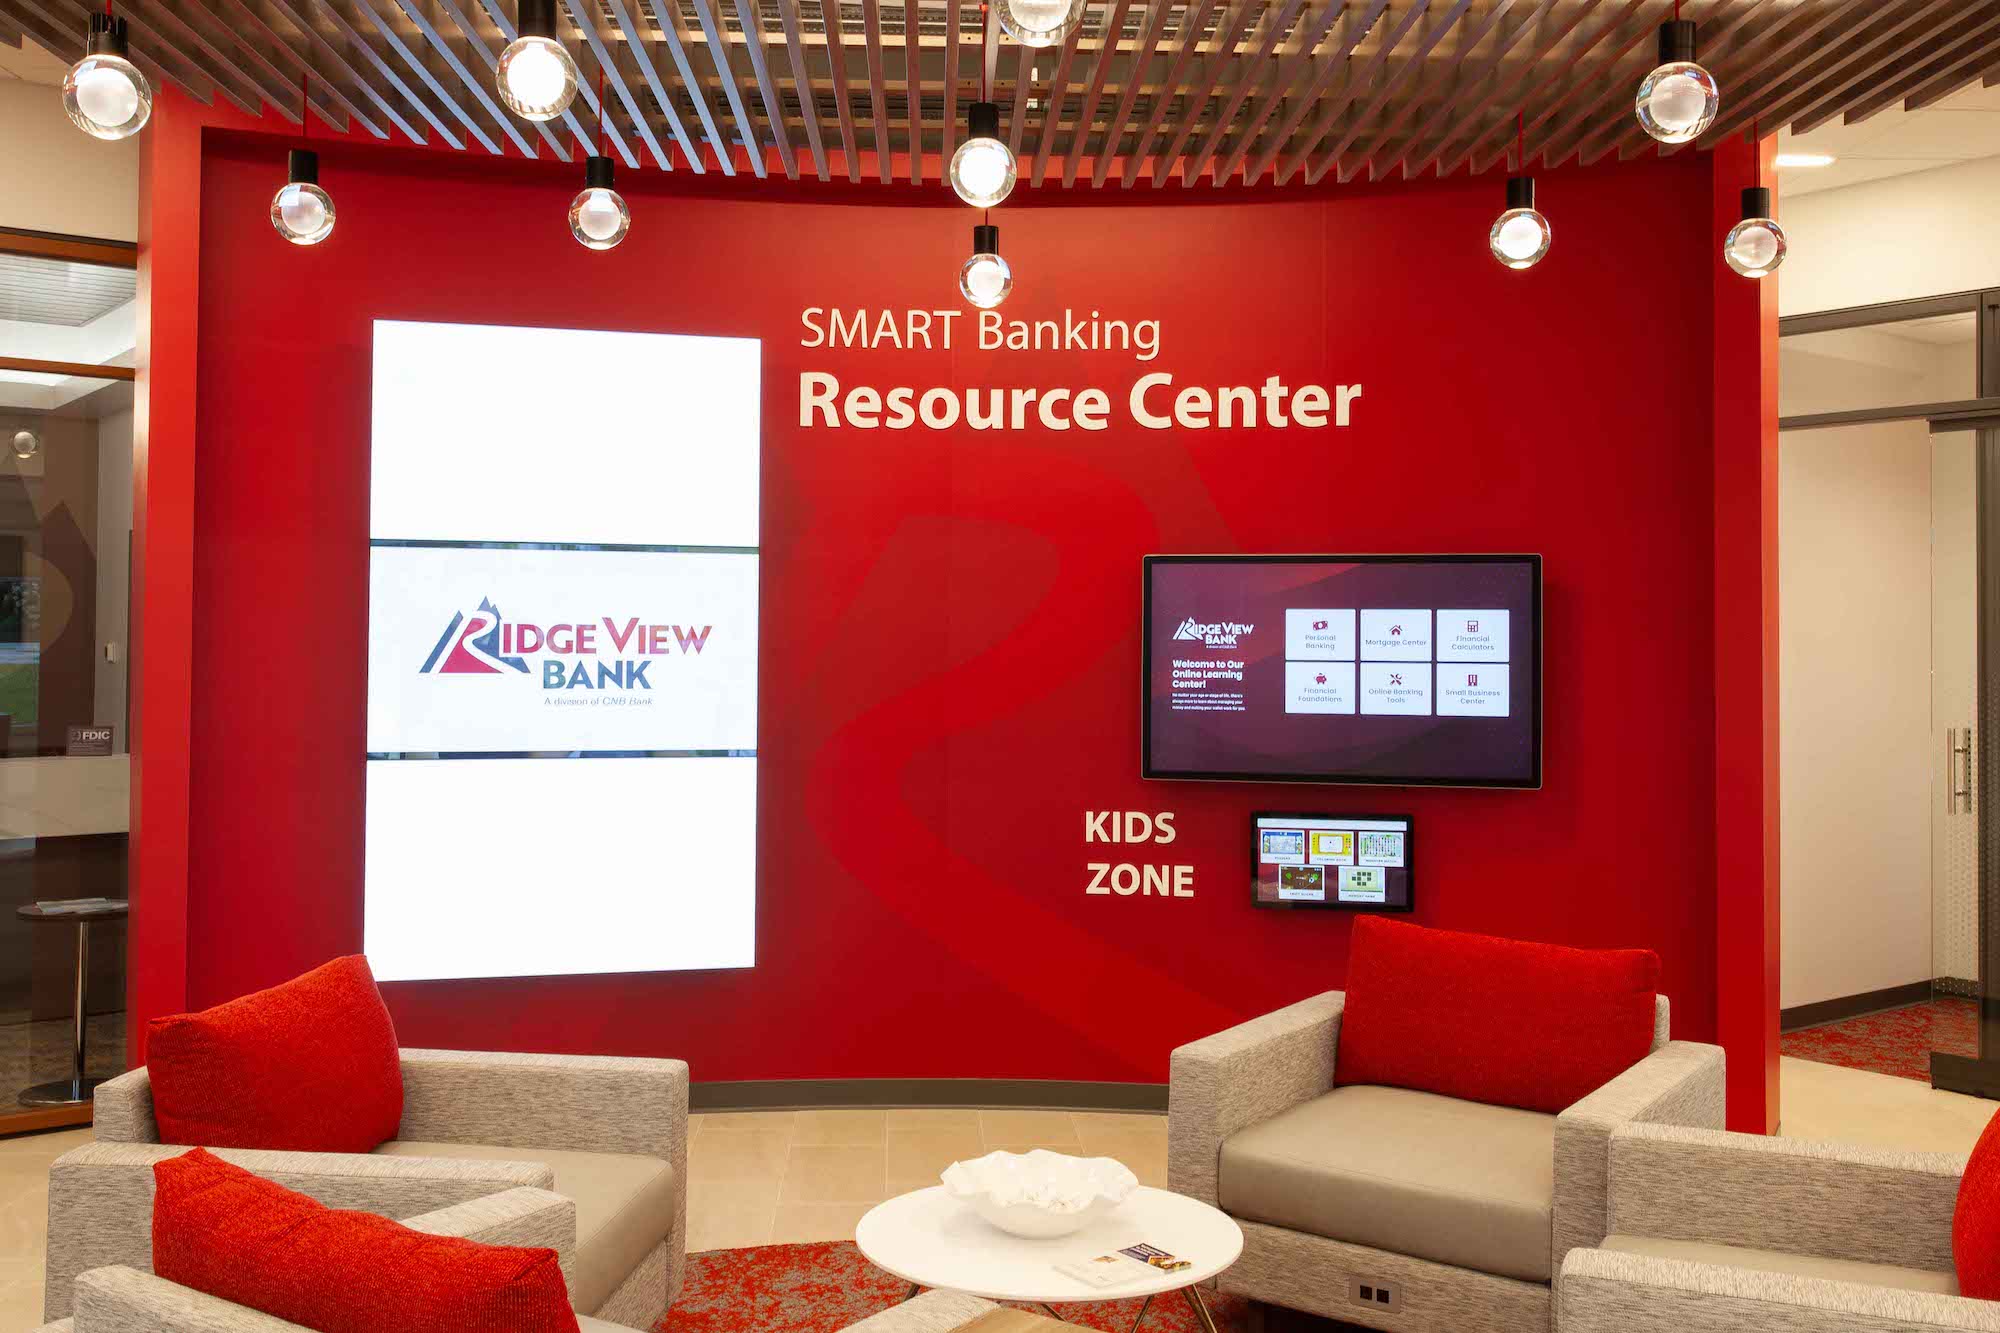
(1845, 369)
(1922, 234)
(1854, 562)
(54, 177)
(114, 530)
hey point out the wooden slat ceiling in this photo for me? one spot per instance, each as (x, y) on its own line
(1295, 91)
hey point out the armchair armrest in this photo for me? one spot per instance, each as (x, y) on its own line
(587, 1103)
(523, 1217)
(101, 1197)
(1599, 1291)
(1240, 1076)
(123, 1109)
(1867, 1205)
(124, 1298)
(1680, 1083)
(932, 1312)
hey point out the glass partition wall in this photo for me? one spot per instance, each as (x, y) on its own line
(1888, 419)
(67, 328)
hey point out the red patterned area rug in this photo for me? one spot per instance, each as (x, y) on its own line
(825, 1287)
(1895, 1041)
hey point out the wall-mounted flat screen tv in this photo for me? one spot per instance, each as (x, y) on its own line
(1395, 670)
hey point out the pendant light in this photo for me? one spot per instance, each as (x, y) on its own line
(536, 75)
(985, 279)
(301, 211)
(104, 93)
(1040, 22)
(1755, 246)
(26, 444)
(982, 170)
(1679, 99)
(598, 217)
(1520, 235)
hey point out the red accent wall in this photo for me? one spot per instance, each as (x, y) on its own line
(950, 641)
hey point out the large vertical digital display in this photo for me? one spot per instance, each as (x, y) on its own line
(562, 652)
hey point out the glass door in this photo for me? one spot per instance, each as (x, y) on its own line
(1879, 537)
(67, 329)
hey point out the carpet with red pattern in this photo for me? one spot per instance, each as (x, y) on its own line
(1895, 1041)
(827, 1286)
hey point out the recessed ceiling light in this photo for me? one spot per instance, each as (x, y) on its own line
(1805, 159)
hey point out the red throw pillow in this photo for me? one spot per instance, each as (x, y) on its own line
(309, 1066)
(219, 1229)
(1975, 1222)
(1484, 1019)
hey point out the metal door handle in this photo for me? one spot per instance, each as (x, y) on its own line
(1959, 763)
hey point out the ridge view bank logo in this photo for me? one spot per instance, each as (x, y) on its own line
(1221, 634)
(482, 643)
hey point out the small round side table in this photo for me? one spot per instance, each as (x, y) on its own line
(76, 1090)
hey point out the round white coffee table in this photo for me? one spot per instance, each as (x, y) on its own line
(930, 1239)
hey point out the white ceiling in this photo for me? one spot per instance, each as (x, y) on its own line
(1964, 126)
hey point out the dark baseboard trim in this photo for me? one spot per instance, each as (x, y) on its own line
(799, 1094)
(1852, 1006)
(1962, 1073)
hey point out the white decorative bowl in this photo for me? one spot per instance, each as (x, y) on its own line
(1039, 1194)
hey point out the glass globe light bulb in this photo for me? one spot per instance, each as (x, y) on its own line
(1678, 101)
(1754, 247)
(985, 280)
(302, 213)
(1039, 22)
(26, 445)
(537, 77)
(107, 97)
(1520, 238)
(598, 218)
(982, 171)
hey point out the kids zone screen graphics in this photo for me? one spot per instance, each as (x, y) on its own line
(1361, 862)
(1405, 670)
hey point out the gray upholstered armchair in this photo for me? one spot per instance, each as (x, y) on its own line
(607, 1133)
(950, 1312)
(1714, 1232)
(1398, 1209)
(125, 1300)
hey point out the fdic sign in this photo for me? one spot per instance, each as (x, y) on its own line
(1128, 878)
(87, 742)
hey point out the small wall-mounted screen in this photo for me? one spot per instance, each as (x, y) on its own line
(1352, 861)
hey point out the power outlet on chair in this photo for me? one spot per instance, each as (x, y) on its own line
(1375, 1295)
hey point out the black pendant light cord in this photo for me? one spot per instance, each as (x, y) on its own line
(1521, 141)
(305, 106)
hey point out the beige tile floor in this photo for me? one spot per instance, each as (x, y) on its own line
(779, 1176)
(769, 1177)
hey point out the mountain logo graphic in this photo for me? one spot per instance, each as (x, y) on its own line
(470, 646)
(1221, 634)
